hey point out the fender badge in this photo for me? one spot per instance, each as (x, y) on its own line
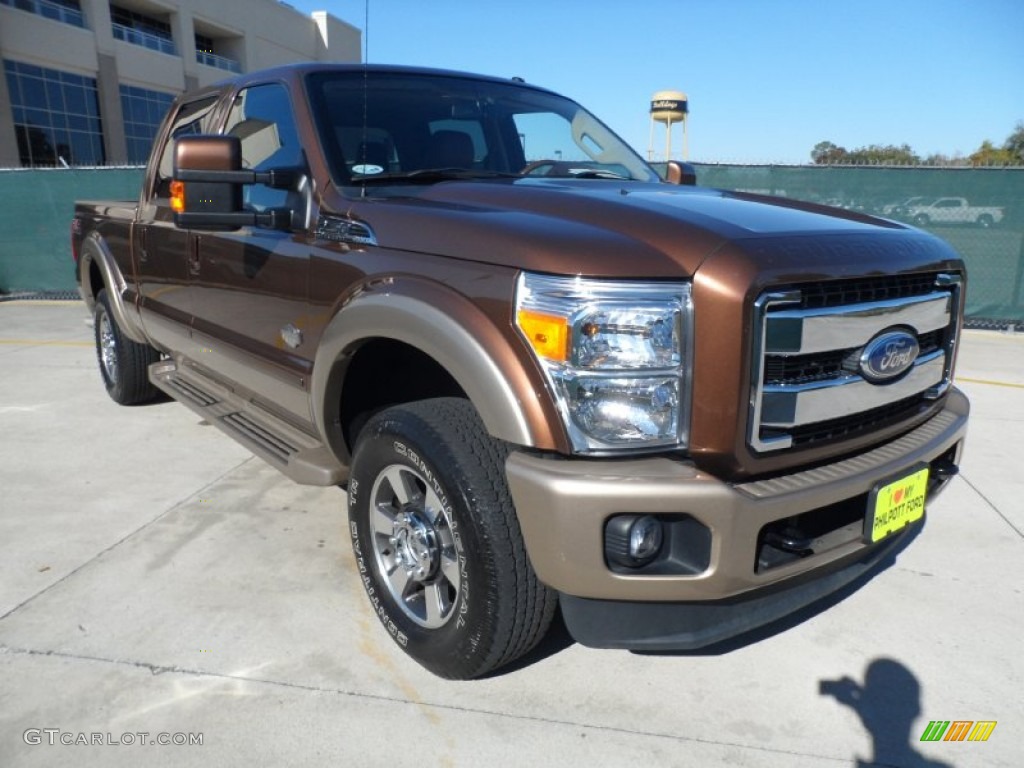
(291, 336)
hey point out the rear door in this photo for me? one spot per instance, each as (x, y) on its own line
(250, 286)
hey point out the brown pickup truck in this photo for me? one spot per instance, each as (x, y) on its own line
(544, 375)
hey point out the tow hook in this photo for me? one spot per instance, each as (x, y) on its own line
(944, 469)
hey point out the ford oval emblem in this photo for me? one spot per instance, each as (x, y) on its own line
(888, 355)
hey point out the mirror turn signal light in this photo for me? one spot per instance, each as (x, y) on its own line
(178, 196)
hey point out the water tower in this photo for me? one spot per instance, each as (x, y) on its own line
(670, 108)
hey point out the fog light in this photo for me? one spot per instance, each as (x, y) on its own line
(632, 540)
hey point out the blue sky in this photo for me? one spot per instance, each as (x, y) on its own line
(766, 79)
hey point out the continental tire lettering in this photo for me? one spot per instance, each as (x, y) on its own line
(371, 591)
(460, 620)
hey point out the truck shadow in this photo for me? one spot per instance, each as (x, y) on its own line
(558, 637)
(801, 615)
(555, 641)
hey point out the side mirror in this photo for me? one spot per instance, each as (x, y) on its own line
(206, 186)
(199, 197)
(681, 173)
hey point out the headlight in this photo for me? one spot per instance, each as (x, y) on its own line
(617, 357)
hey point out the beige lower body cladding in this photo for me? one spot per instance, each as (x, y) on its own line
(563, 506)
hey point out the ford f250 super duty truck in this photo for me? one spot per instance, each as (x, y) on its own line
(544, 375)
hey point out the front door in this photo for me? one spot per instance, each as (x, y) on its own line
(250, 287)
(164, 254)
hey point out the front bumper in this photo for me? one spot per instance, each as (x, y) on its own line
(690, 625)
(563, 504)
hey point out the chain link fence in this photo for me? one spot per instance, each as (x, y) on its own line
(979, 211)
(36, 207)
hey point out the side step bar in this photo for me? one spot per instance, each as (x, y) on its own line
(302, 457)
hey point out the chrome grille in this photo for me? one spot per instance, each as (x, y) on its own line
(807, 386)
(839, 293)
(822, 366)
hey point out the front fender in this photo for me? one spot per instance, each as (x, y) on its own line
(510, 397)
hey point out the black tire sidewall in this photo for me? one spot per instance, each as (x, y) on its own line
(114, 389)
(452, 650)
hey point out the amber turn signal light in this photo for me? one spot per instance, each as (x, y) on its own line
(547, 334)
(178, 196)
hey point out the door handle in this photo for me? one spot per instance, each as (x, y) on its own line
(193, 255)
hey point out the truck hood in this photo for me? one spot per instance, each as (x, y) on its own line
(598, 228)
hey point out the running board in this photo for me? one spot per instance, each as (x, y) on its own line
(302, 457)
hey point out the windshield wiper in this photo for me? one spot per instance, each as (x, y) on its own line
(595, 174)
(430, 175)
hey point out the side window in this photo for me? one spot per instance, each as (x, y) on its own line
(192, 118)
(261, 117)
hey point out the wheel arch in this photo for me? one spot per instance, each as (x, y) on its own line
(99, 270)
(466, 353)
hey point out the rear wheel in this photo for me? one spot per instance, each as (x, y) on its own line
(123, 363)
(437, 542)
(985, 221)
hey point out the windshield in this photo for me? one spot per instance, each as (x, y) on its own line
(382, 127)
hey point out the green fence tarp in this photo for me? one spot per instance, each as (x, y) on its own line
(36, 208)
(994, 254)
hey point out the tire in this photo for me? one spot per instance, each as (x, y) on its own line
(985, 221)
(429, 505)
(123, 363)
(921, 220)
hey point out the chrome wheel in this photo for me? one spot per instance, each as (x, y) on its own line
(436, 540)
(413, 545)
(108, 348)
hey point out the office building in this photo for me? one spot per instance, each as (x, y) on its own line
(87, 82)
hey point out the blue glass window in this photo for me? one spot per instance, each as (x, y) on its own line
(56, 116)
(66, 11)
(143, 112)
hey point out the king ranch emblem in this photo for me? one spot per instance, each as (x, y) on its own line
(888, 355)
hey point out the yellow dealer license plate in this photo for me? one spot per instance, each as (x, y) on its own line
(896, 504)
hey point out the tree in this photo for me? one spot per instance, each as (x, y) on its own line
(1014, 144)
(988, 154)
(827, 153)
(888, 154)
(943, 160)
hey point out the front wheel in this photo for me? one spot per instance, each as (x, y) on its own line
(124, 364)
(437, 542)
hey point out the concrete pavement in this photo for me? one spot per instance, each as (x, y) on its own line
(156, 578)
